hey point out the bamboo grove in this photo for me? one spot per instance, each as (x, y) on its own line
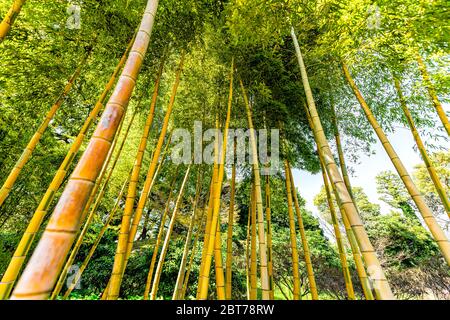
(220, 229)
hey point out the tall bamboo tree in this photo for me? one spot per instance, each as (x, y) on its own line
(337, 233)
(25, 242)
(99, 237)
(165, 246)
(382, 288)
(360, 269)
(265, 286)
(43, 268)
(229, 259)
(159, 236)
(424, 210)
(253, 251)
(217, 190)
(306, 251)
(92, 211)
(120, 258)
(292, 234)
(269, 237)
(181, 272)
(423, 152)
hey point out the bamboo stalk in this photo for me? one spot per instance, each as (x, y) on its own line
(360, 269)
(265, 286)
(10, 18)
(193, 253)
(220, 279)
(122, 245)
(423, 152)
(207, 226)
(12, 272)
(98, 197)
(181, 272)
(229, 259)
(159, 237)
(427, 214)
(91, 252)
(165, 246)
(339, 240)
(247, 251)
(382, 288)
(306, 251)
(432, 93)
(269, 237)
(47, 260)
(253, 258)
(292, 234)
(204, 283)
(29, 149)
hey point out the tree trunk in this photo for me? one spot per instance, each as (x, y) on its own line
(181, 272)
(293, 235)
(10, 17)
(12, 272)
(229, 260)
(423, 152)
(92, 211)
(426, 213)
(165, 246)
(265, 286)
(43, 268)
(269, 237)
(159, 237)
(376, 273)
(120, 259)
(217, 190)
(306, 252)
(360, 269)
(91, 252)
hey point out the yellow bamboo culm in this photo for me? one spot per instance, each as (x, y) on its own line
(165, 246)
(99, 237)
(193, 253)
(152, 168)
(306, 251)
(181, 272)
(423, 152)
(432, 93)
(159, 237)
(424, 210)
(217, 189)
(265, 285)
(218, 262)
(337, 233)
(28, 151)
(92, 211)
(253, 258)
(122, 245)
(269, 237)
(229, 259)
(381, 286)
(207, 226)
(360, 269)
(10, 17)
(247, 251)
(11, 273)
(293, 235)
